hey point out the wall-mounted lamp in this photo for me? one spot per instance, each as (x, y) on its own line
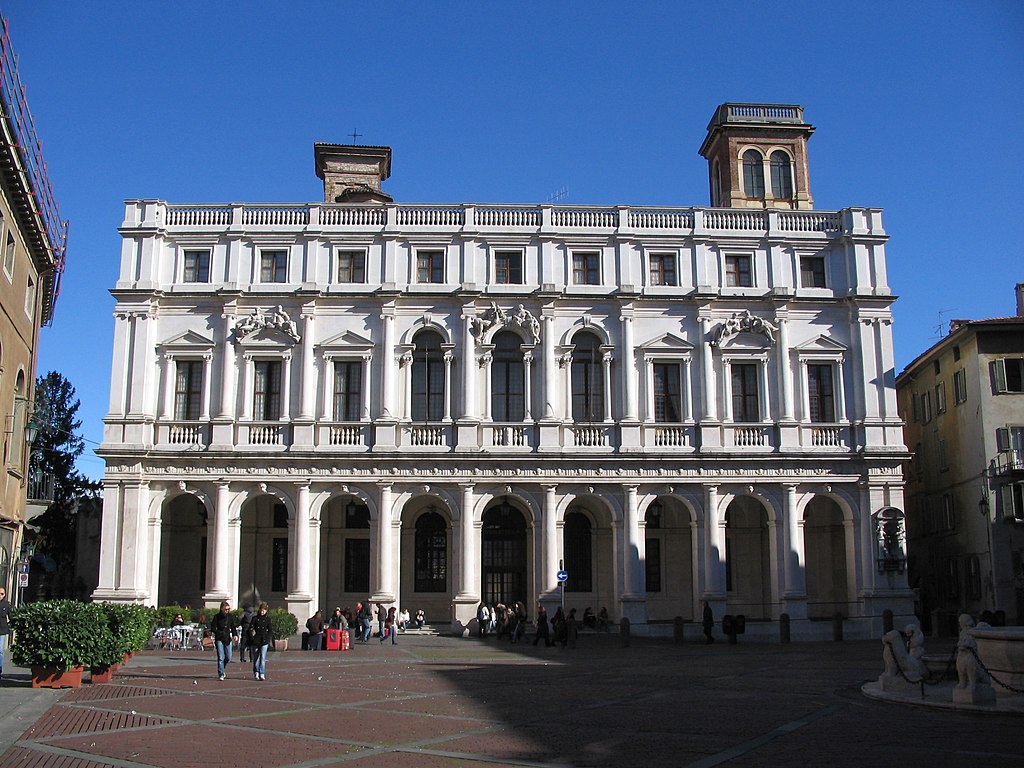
(983, 505)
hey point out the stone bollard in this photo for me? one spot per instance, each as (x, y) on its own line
(837, 627)
(624, 632)
(784, 628)
(677, 629)
(886, 621)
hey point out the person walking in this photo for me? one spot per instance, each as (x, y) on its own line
(391, 626)
(243, 640)
(260, 637)
(5, 627)
(571, 629)
(542, 627)
(382, 617)
(224, 629)
(707, 622)
(365, 617)
(483, 618)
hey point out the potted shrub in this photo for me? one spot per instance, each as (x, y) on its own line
(58, 638)
(283, 625)
(129, 631)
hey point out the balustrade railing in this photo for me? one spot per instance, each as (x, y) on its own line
(426, 436)
(185, 433)
(347, 435)
(507, 217)
(750, 437)
(591, 436)
(353, 216)
(508, 436)
(808, 221)
(409, 216)
(728, 218)
(267, 434)
(274, 216)
(827, 437)
(197, 216)
(661, 219)
(671, 437)
(584, 217)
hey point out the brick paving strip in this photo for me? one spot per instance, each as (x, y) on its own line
(454, 703)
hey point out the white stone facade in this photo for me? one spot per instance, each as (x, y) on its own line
(432, 405)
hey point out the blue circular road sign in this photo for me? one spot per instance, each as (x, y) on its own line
(563, 575)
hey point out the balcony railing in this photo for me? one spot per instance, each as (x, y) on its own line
(266, 434)
(509, 437)
(1008, 462)
(427, 436)
(40, 487)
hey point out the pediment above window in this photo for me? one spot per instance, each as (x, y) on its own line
(187, 342)
(666, 343)
(821, 345)
(345, 343)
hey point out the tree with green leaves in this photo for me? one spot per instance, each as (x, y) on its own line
(54, 451)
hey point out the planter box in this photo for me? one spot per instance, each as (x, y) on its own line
(102, 674)
(47, 677)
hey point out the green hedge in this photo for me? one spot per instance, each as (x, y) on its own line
(64, 634)
(282, 624)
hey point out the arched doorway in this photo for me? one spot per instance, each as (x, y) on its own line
(344, 552)
(183, 552)
(747, 559)
(588, 557)
(504, 555)
(426, 547)
(264, 558)
(668, 560)
(825, 556)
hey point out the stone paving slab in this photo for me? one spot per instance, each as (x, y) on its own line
(440, 702)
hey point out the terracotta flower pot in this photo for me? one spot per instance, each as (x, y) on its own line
(50, 677)
(101, 674)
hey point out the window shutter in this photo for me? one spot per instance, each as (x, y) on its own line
(999, 375)
(1002, 439)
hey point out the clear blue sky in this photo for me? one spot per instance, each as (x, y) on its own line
(917, 106)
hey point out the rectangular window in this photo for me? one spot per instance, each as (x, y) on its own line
(430, 267)
(357, 566)
(821, 399)
(652, 565)
(959, 387)
(952, 579)
(973, 574)
(737, 271)
(812, 271)
(948, 513)
(943, 457)
(940, 397)
(351, 267)
(9, 256)
(274, 266)
(197, 267)
(188, 390)
(348, 384)
(926, 407)
(663, 269)
(266, 402)
(586, 268)
(667, 399)
(1008, 374)
(746, 405)
(279, 566)
(508, 267)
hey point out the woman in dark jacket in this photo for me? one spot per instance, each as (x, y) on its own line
(260, 637)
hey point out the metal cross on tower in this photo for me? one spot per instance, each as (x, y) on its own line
(355, 135)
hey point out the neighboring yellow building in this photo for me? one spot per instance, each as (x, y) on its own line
(32, 246)
(963, 402)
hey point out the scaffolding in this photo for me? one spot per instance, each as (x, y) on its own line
(33, 169)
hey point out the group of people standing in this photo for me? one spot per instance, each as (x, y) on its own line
(252, 634)
(390, 621)
(502, 620)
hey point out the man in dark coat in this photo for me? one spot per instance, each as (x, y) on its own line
(224, 629)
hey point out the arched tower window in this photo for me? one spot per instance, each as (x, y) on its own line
(782, 175)
(427, 378)
(587, 379)
(753, 173)
(508, 378)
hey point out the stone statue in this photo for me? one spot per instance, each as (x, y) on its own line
(898, 660)
(278, 319)
(525, 319)
(250, 324)
(744, 321)
(257, 321)
(973, 684)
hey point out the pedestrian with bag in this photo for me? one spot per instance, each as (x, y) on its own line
(243, 641)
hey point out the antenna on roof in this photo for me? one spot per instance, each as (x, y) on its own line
(558, 195)
(941, 328)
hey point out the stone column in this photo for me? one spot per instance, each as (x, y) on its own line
(785, 372)
(485, 365)
(286, 386)
(468, 582)
(204, 414)
(628, 370)
(167, 401)
(649, 390)
(227, 409)
(110, 536)
(307, 385)
(387, 405)
(364, 410)
(709, 397)
(247, 375)
(631, 558)
(528, 386)
(221, 554)
(795, 592)
(565, 362)
(714, 553)
(385, 591)
(606, 364)
(469, 409)
(550, 368)
(406, 362)
(447, 414)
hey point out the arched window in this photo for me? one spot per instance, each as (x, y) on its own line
(587, 379)
(753, 173)
(431, 553)
(427, 378)
(578, 552)
(503, 554)
(782, 175)
(508, 378)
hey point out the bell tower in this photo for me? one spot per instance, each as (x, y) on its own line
(757, 156)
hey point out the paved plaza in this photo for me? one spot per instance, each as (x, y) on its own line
(442, 702)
